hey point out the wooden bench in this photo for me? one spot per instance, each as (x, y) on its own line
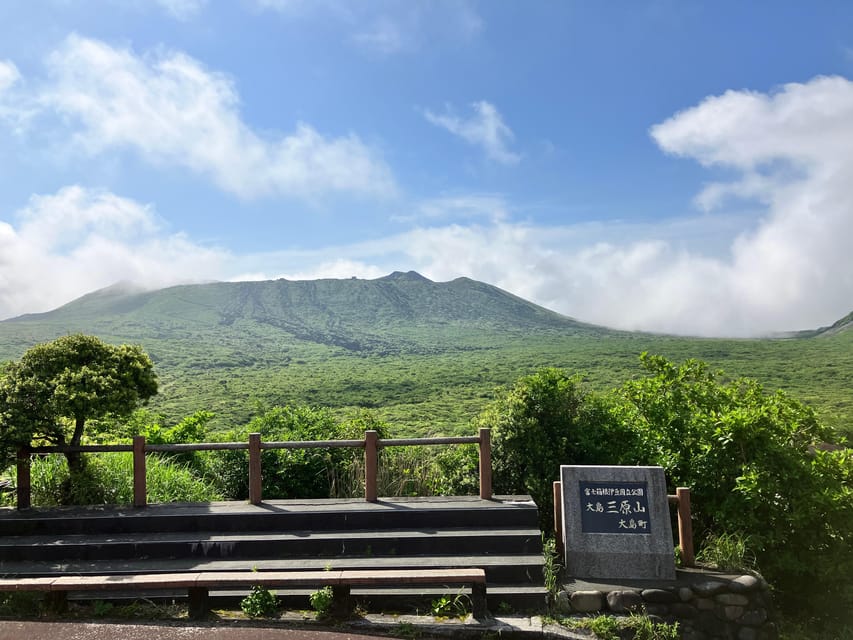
(198, 584)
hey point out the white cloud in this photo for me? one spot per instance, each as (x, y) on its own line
(485, 128)
(78, 240)
(182, 9)
(9, 74)
(389, 27)
(458, 207)
(172, 111)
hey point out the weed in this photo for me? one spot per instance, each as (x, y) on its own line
(101, 609)
(646, 629)
(260, 603)
(407, 630)
(321, 601)
(23, 604)
(449, 605)
(728, 552)
(504, 607)
(551, 566)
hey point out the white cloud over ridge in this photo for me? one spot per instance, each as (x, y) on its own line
(172, 111)
(78, 240)
(485, 129)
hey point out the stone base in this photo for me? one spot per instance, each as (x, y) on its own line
(654, 566)
(706, 605)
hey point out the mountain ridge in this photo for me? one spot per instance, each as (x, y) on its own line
(427, 355)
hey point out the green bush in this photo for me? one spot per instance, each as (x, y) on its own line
(321, 601)
(755, 470)
(546, 420)
(260, 603)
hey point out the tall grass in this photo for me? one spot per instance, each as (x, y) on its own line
(107, 478)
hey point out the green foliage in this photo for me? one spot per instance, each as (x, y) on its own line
(551, 566)
(604, 627)
(754, 468)
(260, 603)
(547, 420)
(449, 605)
(108, 479)
(639, 626)
(424, 356)
(21, 604)
(644, 628)
(727, 552)
(321, 601)
(58, 386)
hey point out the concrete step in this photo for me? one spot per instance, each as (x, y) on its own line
(275, 515)
(286, 544)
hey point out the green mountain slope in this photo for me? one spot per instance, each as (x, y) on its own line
(424, 355)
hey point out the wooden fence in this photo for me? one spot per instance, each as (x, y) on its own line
(371, 445)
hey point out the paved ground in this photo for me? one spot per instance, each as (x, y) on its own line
(102, 631)
(370, 627)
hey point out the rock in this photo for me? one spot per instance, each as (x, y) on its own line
(735, 599)
(705, 604)
(732, 612)
(754, 617)
(746, 633)
(659, 596)
(562, 603)
(708, 587)
(624, 601)
(744, 584)
(587, 601)
(682, 610)
(685, 594)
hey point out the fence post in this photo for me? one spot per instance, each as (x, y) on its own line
(23, 478)
(685, 527)
(371, 464)
(558, 519)
(485, 464)
(140, 490)
(255, 479)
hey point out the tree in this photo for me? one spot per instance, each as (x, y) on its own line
(546, 420)
(56, 388)
(755, 466)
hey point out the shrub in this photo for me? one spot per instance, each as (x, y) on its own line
(260, 603)
(321, 601)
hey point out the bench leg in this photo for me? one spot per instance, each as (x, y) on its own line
(56, 601)
(341, 601)
(478, 601)
(198, 606)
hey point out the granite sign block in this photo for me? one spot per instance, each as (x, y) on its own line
(616, 523)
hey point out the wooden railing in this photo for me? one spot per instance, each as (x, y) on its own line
(371, 445)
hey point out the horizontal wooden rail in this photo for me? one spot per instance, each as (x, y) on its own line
(371, 445)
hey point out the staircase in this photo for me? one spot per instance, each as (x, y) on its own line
(499, 535)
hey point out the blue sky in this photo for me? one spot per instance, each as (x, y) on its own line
(668, 166)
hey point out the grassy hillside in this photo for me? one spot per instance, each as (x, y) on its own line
(424, 355)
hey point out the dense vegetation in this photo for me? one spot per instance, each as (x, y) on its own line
(761, 465)
(756, 462)
(424, 356)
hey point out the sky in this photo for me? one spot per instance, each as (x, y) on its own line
(670, 166)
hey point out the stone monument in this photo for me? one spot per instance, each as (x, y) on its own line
(616, 523)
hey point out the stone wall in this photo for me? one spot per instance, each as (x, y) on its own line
(706, 606)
